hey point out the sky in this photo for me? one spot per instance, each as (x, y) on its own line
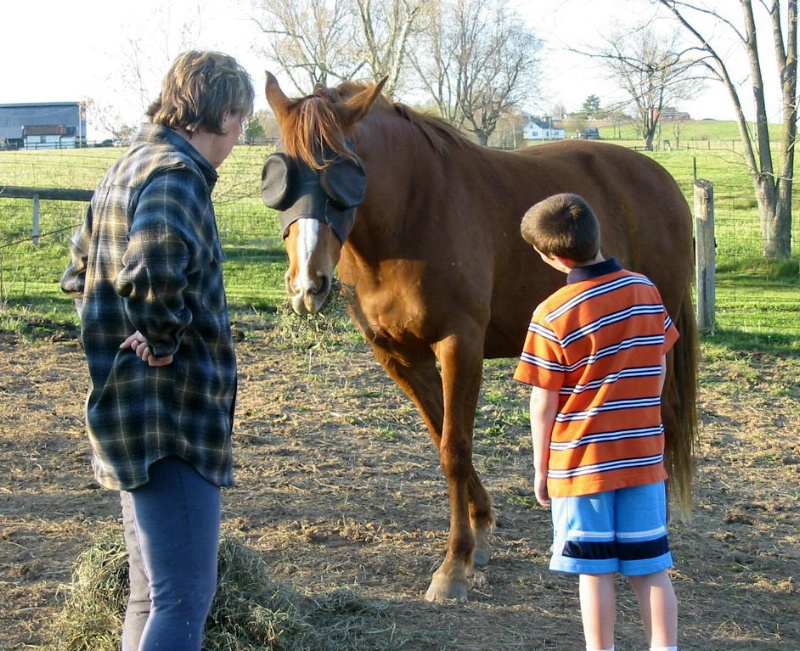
(57, 51)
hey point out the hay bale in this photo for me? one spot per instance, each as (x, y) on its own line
(250, 612)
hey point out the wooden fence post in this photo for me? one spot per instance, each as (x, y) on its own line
(56, 194)
(705, 254)
(35, 230)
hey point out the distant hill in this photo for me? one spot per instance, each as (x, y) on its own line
(685, 130)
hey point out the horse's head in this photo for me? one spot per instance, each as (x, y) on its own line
(316, 183)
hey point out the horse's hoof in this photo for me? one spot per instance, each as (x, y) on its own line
(481, 556)
(441, 591)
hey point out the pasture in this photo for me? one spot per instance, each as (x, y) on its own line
(339, 489)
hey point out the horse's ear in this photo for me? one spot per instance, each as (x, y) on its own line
(355, 108)
(276, 97)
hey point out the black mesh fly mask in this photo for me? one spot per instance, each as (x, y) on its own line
(329, 195)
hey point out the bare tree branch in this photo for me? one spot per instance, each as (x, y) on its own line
(773, 191)
(652, 70)
(478, 62)
(319, 41)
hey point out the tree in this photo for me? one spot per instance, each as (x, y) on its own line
(148, 51)
(310, 40)
(478, 62)
(773, 187)
(653, 72)
(591, 107)
(254, 128)
(314, 40)
(508, 134)
(387, 28)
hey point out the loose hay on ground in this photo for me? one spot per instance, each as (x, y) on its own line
(250, 612)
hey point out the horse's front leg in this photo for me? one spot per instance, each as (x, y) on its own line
(481, 519)
(471, 517)
(447, 406)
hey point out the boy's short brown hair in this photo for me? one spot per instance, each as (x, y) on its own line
(199, 88)
(563, 225)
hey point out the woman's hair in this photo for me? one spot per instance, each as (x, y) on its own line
(199, 89)
(563, 225)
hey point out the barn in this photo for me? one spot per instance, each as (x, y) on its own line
(51, 125)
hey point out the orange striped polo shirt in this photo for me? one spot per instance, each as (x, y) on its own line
(599, 341)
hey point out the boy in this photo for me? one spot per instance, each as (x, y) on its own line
(595, 355)
(146, 272)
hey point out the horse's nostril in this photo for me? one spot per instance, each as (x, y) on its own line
(324, 286)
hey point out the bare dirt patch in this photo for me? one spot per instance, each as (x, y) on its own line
(339, 489)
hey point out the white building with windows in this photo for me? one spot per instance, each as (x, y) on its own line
(537, 128)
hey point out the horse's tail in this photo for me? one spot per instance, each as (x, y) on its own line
(681, 393)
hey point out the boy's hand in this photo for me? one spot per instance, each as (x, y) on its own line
(540, 488)
(137, 343)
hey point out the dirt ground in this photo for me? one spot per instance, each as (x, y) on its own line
(339, 488)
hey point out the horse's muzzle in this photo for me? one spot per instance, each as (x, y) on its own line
(311, 298)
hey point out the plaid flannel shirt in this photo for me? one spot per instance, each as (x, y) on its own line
(148, 258)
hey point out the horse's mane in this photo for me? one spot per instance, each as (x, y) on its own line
(312, 130)
(439, 132)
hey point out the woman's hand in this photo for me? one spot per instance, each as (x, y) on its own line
(138, 344)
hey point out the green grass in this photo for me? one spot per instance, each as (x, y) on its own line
(681, 133)
(756, 299)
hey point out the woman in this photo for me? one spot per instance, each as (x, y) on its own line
(146, 273)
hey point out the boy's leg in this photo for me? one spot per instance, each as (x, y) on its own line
(658, 607)
(598, 610)
(645, 559)
(584, 544)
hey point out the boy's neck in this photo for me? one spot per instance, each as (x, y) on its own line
(571, 264)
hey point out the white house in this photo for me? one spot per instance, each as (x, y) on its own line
(541, 129)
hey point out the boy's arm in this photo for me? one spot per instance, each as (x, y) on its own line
(663, 374)
(543, 409)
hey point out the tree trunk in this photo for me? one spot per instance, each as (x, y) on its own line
(775, 214)
(773, 188)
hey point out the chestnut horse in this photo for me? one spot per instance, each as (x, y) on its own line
(438, 275)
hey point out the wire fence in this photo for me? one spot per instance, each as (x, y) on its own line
(31, 263)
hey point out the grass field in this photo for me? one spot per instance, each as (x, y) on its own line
(753, 296)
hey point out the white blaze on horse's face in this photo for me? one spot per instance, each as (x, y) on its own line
(313, 251)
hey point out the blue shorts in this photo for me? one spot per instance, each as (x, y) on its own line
(624, 531)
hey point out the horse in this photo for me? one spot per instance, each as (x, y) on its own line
(424, 228)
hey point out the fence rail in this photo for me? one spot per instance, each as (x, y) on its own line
(704, 235)
(55, 194)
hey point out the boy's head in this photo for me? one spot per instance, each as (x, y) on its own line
(199, 89)
(563, 225)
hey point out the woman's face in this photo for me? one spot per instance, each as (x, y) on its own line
(221, 145)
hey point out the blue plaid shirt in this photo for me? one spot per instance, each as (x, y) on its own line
(148, 258)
